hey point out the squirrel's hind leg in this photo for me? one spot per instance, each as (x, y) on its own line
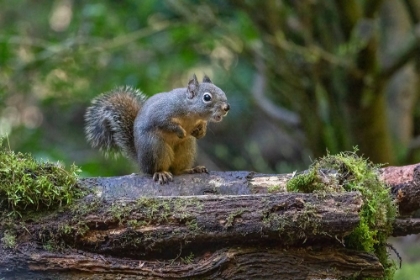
(184, 158)
(155, 157)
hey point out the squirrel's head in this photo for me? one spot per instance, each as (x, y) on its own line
(210, 99)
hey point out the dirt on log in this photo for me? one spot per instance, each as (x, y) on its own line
(222, 225)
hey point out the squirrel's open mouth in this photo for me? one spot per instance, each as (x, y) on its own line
(219, 114)
(217, 118)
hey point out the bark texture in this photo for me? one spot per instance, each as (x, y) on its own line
(233, 263)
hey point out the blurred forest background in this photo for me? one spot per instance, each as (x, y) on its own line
(302, 77)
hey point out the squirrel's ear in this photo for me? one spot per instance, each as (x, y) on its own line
(192, 87)
(206, 79)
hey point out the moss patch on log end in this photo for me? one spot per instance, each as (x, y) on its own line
(30, 188)
(349, 172)
(27, 184)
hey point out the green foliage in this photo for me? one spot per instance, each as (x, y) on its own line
(407, 271)
(354, 173)
(29, 184)
(52, 68)
(57, 55)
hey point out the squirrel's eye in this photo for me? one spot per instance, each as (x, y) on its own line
(207, 97)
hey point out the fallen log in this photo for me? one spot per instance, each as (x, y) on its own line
(232, 263)
(221, 225)
(160, 226)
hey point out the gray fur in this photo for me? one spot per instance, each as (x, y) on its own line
(163, 136)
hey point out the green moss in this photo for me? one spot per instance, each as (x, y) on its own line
(134, 223)
(188, 259)
(307, 219)
(79, 210)
(231, 218)
(192, 225)
(349, 172)
(50, 246)
(9, 239)
(154, 210)
(119, 212)
(273, 189)
(81, 228)
(66, 229)
(150, 210)
(30, 189)
(316, 179)
(27, 184)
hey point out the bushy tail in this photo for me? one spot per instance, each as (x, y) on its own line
(110, 120)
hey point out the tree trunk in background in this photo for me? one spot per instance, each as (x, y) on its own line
(370, 127)
(402, 90)
(365, 90)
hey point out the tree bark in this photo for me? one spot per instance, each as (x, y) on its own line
(234, 263)
(225, 225)
(162, 226)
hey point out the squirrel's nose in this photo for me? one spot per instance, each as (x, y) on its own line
(226, 107)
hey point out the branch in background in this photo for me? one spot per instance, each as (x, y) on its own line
(260, 85)
(90, 46)
(311, 53)
(409, 51)
(372, 7)
(413, 9)
(349, 11)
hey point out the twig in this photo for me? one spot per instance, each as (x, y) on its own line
(395, 251)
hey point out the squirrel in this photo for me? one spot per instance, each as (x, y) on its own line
(158, 132)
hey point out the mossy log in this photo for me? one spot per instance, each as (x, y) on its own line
(225, 225)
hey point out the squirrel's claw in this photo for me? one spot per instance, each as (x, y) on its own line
(163, 177)
(197, 169)
(200, 130)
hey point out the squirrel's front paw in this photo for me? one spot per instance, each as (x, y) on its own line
(181, 133)
(163, 177)
(197, 169)
(200, 130)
